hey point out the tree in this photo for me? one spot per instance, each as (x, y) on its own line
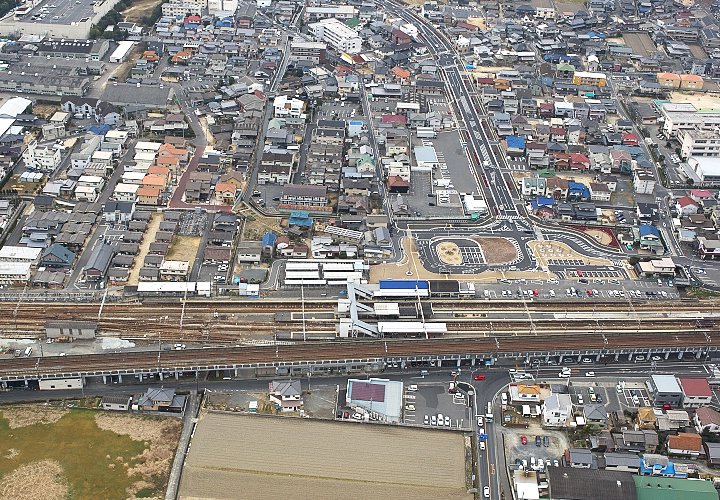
(690, 182)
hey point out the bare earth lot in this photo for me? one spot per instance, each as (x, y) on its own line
(301, 458)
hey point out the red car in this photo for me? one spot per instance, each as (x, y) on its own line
(589, 292)
(523, 439)
(536, 293)
(666, 406)
(480, 376)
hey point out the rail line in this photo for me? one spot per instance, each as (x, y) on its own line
(336, 351)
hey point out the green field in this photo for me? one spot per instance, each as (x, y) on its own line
(89, 462)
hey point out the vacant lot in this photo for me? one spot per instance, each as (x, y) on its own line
(56, 453)
(300, 458)
(140, 9)
(641, 43)
(184, 248)
(497, 250)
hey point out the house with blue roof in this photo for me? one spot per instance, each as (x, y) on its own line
(268, 242)
(300, 219)
(650, 239)
(660, 465)
(577, 191)
(515, 145)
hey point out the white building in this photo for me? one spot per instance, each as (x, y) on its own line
(425, 158)
(315, 13)
(338, 35)
(14, 273)
(301, 50)
(126, 192)
(122, 52)
(707, 168)
(556, 409)
(220, 8)
(11, 253)
(86, 193)
(685, 116)
(643, 181)
(180, 8)
(699, 143)
(284, 107)
(45, 158)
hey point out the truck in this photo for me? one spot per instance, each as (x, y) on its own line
(426, 132)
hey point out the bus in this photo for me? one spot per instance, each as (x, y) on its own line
(489, 413)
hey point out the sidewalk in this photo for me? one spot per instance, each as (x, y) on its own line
(189, 420)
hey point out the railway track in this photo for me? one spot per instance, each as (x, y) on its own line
(332, 351)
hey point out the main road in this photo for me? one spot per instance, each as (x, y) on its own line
(496, 187)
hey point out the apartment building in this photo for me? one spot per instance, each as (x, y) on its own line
(338, 35)
(317, 13)
(181, 8)
(313, 52)
(44, 158)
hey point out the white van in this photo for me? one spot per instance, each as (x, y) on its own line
(504, 398)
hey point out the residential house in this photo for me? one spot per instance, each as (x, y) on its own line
(685, 444)
(249, 252)
(696, 392)
(707, 420)
(595, 414)
(161, 399)
(286, 394)
(556, 409)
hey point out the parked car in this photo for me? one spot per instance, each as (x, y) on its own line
(523, 439)
(538, 441)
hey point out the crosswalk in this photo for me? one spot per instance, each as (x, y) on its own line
(509, 217)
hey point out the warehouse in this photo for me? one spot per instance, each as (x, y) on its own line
(121, 54)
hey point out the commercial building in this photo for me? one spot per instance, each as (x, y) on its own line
(182, 8)
(665, 389)
(339, 35)
(121, 53)
(75, 22)
(380, 399)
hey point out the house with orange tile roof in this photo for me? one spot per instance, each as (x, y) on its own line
(685, 444)
(155, 180)
(148, 195)
(158, 170)
(182, 57)
(225, 192)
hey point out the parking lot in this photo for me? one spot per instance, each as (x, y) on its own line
(192, 223)
(550, 450)
(432, 400)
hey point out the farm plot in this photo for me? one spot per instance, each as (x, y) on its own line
(320, 459)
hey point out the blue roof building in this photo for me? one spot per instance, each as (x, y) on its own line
(404, 285)
(578, 191)
(515, 143)
(300, 218)
(268, 241)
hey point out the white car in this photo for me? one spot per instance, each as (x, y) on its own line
(589, 374)
(564, 374)
(440, 419)
(486, 492)
(482, 445)
(433, 420)
(580, 399)
(426, 420)
(480, 421)
(447, 421)
(552, 293)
